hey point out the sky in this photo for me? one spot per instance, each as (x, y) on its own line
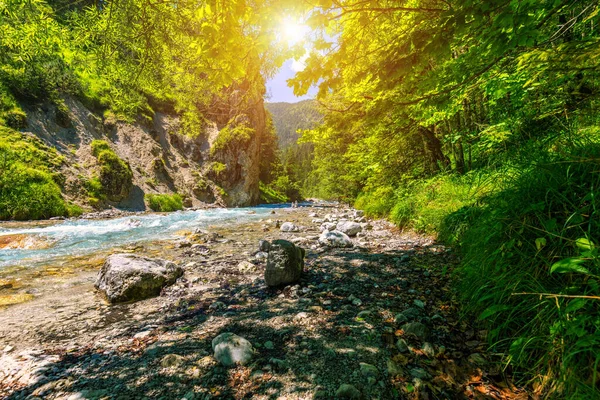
(277, 88)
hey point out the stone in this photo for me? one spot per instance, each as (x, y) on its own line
(231, 349)
(410, 314)
(368, 370)
(335, 239)
(346, 391)
(417, 329)
(285, 263)
(289, 227)
(127, 277)
(246, 266)
(328, 226)
(350, 228)
(393, 368)
(419, 303)
(171, 360)
(477, 359)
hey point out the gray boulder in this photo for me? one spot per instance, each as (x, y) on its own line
(127, 277)
(335, 239)
(284, 263)
(350, 228)
(289, 227)
(231, 349)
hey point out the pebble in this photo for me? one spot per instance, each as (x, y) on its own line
(346, 391)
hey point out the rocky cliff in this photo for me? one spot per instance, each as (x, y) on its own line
(210, 167)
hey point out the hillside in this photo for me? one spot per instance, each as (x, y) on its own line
(288, 118)
(100, 107)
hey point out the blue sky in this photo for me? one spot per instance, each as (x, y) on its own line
(277, 88)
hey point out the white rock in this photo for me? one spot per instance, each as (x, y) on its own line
(350, 228)
(231, 349)
(335, 239)
(289, 227)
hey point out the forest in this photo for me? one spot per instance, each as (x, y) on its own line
(475, 123)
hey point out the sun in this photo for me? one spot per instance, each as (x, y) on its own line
(293, 31)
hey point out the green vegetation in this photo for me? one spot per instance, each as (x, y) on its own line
(270, 196)
(115, 175)
(29, 183)
(164, 202)
(289, 118)
(232, 137)
(476, 121)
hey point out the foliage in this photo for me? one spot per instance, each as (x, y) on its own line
(232, 137)
(529, 252)
(164, 202)
(115, 175)
(289, 118)
(477, 121)
(268, 195)
(28, 181)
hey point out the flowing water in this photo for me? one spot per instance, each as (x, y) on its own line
(33, 244)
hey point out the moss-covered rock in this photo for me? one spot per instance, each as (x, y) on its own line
(115, 175)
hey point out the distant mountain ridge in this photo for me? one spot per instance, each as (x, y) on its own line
(289, 117)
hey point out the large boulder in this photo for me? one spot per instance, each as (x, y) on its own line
(127, 277)
(284, 263)
(335, 239)
(231, 349)
(350, 228)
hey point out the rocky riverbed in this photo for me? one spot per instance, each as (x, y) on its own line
(377, 320)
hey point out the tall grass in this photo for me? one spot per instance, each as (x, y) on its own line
(530, 258)
(528, 235)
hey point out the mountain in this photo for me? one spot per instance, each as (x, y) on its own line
(289, 117)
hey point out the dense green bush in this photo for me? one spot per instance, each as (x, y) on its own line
(115, 175)
(28, 187)
(164, 202)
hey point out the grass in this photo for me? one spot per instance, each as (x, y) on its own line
(29, 187)
(528, 237)
(164, 202)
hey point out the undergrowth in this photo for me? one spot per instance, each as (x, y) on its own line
(29, 181)
(164, 202)
(268, 195)
(528, 236)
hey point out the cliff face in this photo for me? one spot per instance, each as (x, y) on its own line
(162, 159)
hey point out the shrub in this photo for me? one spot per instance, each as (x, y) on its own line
(28, 186)
(269, 195)
(115, 175)
(377, 203)
(164, 202)
(232, 137)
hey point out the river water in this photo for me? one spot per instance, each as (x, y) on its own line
(31, 244)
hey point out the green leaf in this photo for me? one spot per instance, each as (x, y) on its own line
(488, 312)
(540, 242)
(575, 305)
(569, 265)
(584, 244)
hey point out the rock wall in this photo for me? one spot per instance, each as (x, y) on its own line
(162, 159)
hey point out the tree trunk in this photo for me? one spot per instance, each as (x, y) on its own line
(433, 149)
